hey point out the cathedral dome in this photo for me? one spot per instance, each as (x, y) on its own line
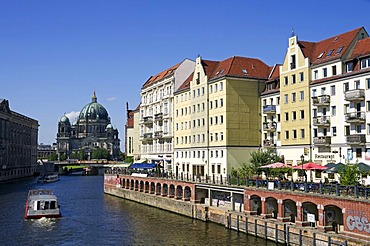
(64, 120)
(94, 111)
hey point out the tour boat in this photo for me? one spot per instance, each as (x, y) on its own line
(48, 178)
(42, 203)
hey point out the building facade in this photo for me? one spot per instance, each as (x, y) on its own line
(18, 144)
(91, 130)
(156, 114)
(217, 122)
(132, 142)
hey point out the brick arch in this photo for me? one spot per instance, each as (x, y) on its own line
(333, 216)
(255, 204)
(171, 191)
(141, 188)
(187, 193)
(146, 189)
(152, 188)
(158, 189)
(132, 184)
(136, 184)
(309, 207)
(271, 206)
(290, 209)
(179, 191)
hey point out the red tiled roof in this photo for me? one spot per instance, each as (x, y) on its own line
(275, 72)
(326, 50)
(241, 67)
(362, 48)
(161, 75)
(274, 78)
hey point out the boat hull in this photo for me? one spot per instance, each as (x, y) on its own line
(42, 204)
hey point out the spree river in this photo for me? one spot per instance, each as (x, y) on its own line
(91, 217)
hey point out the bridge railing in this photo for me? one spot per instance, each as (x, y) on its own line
(335, 189)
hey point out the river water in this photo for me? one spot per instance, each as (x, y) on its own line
(91, 217)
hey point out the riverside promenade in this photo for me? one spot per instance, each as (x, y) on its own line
(293, 213)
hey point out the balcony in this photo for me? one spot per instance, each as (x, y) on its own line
(269, 126)
(321, 121)
(355, 95)
(269, 109)
(356, 139)
(158, 116)
(158, 134)
(148, 120)
(323, 100)
(148, 136)
(322, 141)
(355, 117)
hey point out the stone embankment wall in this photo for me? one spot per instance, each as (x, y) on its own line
(287, 233)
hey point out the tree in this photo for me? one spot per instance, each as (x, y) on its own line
(81, 155)
(53, 156)
(100, 153)
(129, 159)
(349, 175)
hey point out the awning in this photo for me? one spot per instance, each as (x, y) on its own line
(119, 165)
(143, 165)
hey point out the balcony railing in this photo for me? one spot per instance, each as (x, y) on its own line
(158, 134)
(269, 126)
(321, 121)
(355, 95)
(322, 141)
(148, 135)
(356, 139)
(148, 120)
(323, 100)
(158, 116)
(269, 109)
(355, 117)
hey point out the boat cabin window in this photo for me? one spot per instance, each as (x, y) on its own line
(46, 205)
(53, 205)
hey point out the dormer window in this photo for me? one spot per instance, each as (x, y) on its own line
(321, 54)
(365, 63)
(339, 50)
(349, 66)
(330, 52)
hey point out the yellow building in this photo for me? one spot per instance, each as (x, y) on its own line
(217, 116)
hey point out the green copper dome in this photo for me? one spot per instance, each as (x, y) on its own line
(94, 111)
(64, 119)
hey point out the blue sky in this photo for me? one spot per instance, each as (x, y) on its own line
(54, 54)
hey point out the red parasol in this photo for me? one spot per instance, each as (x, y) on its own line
(310, 166)
(275, 165)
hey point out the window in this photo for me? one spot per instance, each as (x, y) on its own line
(210, 120)
(221, 119)
(221, 86)
(301, 95)
(357, 84)
(345, 87)
(286, 116)
(333, 110)
(211, 137)
(334, 131)
(315, 74)
(286, 98)
(349, 66)
(216, 104)
(198, 92)
(294, 134)
(323, 91)
(365, 63)
(334, 70)
(301, 77)
(301, 114)
(216, 120)
(313, 92)
(358, 153)
(339, 50)
(368, 83)
(302, 134)
(330, 52)
(292, 62)
(368, 106)
(210, 89)
(221, 136)
(294, 115)
(210, 104)
(215, 87)
(198, 78)
(286, 134)
(286, 80)
(315, 133)
(346, 108)
(346, 131)
(368, 129)
(324, 72)
(332, 90)
(278, 117)
(293, 79)
(278, 100)
(294, 97)
(202, 91)
(221, 103)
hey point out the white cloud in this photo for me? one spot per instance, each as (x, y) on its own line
(111, 99)
(72, 115)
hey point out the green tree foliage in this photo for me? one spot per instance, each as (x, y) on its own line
(53, 156)
(82, 155)
(121, 156)
(258, 158)
(63, 157)
(100, 153)
(129, 159)
(349, 175)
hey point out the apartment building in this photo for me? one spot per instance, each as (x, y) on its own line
(156, 114)
(217, 121)
(132, 142)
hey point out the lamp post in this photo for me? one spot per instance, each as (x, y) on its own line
(302, 160)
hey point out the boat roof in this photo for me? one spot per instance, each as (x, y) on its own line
(41, 194)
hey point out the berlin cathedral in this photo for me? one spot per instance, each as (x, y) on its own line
(91, 130)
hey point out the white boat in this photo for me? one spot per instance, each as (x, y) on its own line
(48, 178)
(42, 203)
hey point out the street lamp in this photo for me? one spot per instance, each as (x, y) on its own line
(302, 160)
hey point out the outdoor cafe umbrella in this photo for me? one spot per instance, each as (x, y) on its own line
(275, 165)
(363, 167)
(334, 168)
(310, 166)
